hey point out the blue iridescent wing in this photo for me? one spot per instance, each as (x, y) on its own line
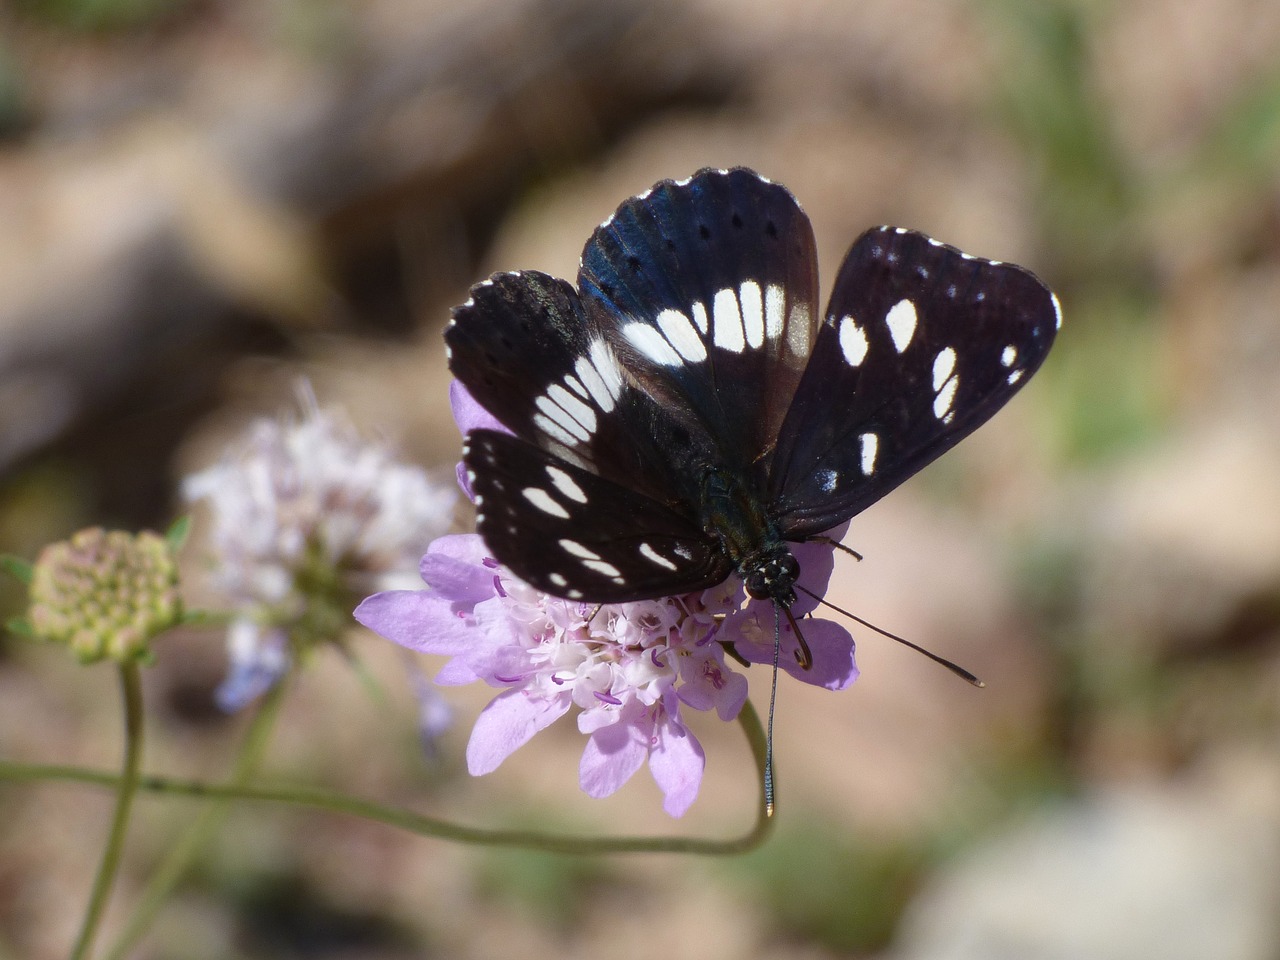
(709, 286)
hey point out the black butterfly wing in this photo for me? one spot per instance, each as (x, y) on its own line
(921, 344)
(709, 289)
(571, 533)
(529, 353)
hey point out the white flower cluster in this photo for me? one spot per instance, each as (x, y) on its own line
(304, 513)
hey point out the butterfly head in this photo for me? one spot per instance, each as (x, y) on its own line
(771, 575)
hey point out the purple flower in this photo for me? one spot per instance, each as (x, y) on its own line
(630, 669)
(469, 415)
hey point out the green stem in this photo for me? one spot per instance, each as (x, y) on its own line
(430, 826)
(202, 830)
(126, 786)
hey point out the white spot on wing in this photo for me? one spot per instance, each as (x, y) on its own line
(946, 396)
(901, 320)
(798, 329)
(869, 445)
(602, 566)
(654, 556)
(853, 341)
(1008, 356)
(652, 344)
(700, 317)
(827, 480)
(557, 579)
(578, 550)
(1014, 377)
(728, 321)
(594, 383)
(566, 485)
(609, 374)
(677, 328)
(570, 427)
(943, 366)
(542, 500)
(752, 313)
(775, 301)
(553, 429)
(573, 406)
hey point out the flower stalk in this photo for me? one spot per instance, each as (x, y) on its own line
(424, 826)
(126, 786)
(196, 838)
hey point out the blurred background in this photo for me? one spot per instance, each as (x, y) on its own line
(202, 200)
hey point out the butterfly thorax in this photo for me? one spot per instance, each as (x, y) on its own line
(737, 519)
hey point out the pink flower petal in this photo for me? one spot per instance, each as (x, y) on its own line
(829, 642)
(457, 580)
(469, 415)
(708, 683)
(817, 562)
(612, 756)
(416, 619)
(676, 762)
(467, 547)
(467, 412)
(508, 723)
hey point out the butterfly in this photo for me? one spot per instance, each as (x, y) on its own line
(685, 412)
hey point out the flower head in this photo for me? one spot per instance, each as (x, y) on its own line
(105, 594)
(629, 669)
(307, 517)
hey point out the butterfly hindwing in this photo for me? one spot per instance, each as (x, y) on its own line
(920, 345)
(710, 288)
(571, 533)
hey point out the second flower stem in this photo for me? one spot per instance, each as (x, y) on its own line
(197, 836)
(131, 689)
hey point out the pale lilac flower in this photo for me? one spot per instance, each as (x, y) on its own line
(630, 670)
(306, 517)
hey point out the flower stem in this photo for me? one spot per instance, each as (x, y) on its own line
(334, 802)
(126, 786)
(201, 830)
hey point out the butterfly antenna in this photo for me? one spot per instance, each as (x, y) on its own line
(773, 697)
(955, 668)
(831, 542)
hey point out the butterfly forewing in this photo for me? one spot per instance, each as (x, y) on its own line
(528, 352)
(571, 533)
(710, 286)
(920, 345)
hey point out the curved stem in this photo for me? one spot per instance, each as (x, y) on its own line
(126, 787)
(201, 830)
(431, 826)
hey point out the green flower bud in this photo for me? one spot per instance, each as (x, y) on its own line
(105, 594)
